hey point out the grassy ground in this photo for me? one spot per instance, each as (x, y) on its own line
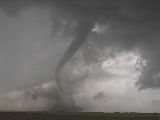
(77, 116)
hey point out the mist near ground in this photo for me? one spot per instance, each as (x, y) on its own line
(115, 69)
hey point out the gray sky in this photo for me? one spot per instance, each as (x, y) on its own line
(116, 69)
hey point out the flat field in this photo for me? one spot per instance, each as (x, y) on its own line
(77, 116)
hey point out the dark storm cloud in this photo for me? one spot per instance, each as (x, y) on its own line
(77, 8)
(92, 10)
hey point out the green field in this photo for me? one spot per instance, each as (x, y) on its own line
(77, 116)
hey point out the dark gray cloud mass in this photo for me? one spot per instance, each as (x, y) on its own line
(132, 25)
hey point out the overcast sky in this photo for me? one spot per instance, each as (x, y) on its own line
(117, 68)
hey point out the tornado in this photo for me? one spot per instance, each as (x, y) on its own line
(82, 30)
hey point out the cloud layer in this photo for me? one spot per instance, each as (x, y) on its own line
(121, 55)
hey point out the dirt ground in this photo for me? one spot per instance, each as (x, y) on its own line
(75, 116)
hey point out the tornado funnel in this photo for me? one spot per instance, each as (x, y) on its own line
(82, 31)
